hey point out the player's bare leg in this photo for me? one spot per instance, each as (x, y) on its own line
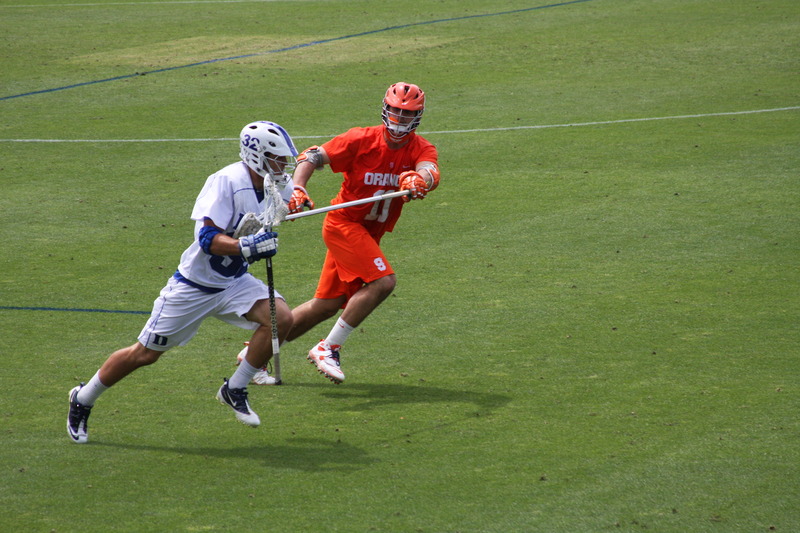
(125, 361)
(367, 299)
(259, 351)
(361, 304)
(234, 391)
(284, 317)
(118, 365)
(313, 312)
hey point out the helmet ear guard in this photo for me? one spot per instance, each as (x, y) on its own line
(266, 148)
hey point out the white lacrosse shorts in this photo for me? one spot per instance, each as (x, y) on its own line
(180, 309)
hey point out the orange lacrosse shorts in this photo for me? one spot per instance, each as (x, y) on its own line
(354, 258)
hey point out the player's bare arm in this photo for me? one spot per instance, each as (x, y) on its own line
(252, 247)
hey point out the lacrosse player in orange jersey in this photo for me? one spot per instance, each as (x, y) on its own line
(356, 275)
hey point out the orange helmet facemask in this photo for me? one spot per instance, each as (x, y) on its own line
(402, 109)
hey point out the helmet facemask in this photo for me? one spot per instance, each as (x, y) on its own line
(279, 167)
(400, 122)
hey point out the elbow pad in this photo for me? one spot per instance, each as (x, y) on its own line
(205, 237)
(311, 155)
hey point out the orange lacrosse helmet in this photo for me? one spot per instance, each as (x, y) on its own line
(402, 109)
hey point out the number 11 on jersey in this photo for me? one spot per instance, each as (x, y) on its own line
(380, 210)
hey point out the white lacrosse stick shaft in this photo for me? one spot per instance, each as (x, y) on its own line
(343, 205)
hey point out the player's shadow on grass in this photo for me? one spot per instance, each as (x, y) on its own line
(310, 455)
(369, 396)
(325, 455)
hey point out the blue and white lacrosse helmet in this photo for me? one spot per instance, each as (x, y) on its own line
(267, 149)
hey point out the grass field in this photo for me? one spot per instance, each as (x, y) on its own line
(596, 320)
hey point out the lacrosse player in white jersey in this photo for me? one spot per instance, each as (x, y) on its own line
(212, 277)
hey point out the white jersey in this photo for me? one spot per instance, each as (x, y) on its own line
(227, 196)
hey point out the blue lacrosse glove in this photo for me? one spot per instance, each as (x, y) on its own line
(259, 246)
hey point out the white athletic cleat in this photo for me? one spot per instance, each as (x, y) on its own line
(262, 377)
(78, 418)
(326, 359)
(236, 399)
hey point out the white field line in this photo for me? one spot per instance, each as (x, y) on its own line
(622, 121)
(109, 4)
(443, 132)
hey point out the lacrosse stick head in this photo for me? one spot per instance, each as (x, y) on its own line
(275, 208)
(403, 105)
(268, 149)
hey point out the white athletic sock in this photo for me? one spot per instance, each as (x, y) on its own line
(91, 391)
(339, 333)
(244, 373)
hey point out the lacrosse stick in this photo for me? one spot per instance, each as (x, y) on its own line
(251, 223)
(352, 203)
(275, 210)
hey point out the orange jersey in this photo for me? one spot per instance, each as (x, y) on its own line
(371, 168)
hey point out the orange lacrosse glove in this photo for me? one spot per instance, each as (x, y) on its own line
(412, 181)
(299, 200)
